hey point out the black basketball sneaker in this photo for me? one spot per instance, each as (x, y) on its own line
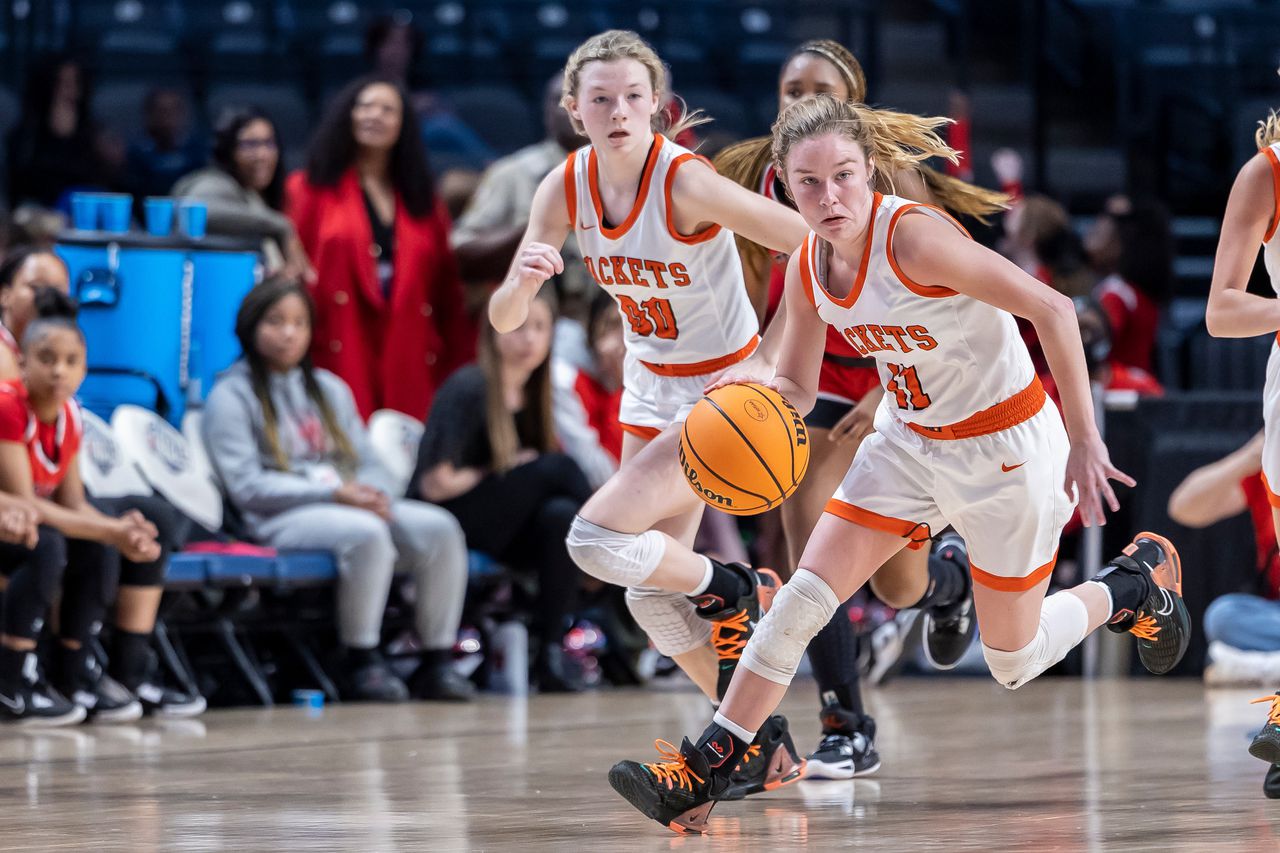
(770, 762)
(1266, 743)
(733, 622)
(847, 749)
(678, 792)
(1161, 624)
(949, 629)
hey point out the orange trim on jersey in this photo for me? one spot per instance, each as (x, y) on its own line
(928, 290)
(806, 274)
(711, 365)
(1020, 407)
(646, 177)
(571, 189)
(1275, 188)
(1272, 497)
(692, 239)
(917, 532)
(1003, 584)
(647, 433)
(856, 290)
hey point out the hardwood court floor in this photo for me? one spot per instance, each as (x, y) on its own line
(1059, 765)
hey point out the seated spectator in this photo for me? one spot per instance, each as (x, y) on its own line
(488, 233)
(244, 190)
(489, 456)
(389, 306)
(586, 402)
(1243, 629)
(1102, 240)
(56, 147)
(78, 549)
(168, 150)
(294, 457)
(1134, 294)
(1104, 370)
(23, 275)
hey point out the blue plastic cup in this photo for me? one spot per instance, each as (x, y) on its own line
(115, 211)
(311, 699)
(84, 211)
(193, 217)
(159, 213)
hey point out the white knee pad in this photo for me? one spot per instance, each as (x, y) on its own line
(669, 619)
(625, 559)
(1064, 620)
(801, 609)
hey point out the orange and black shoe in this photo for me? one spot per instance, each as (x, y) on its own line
(676, 792)
(733, 622)
(770, 762)
(1266, 743)
(1161, 623)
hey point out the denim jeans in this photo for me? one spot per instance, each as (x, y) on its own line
(1247, 622)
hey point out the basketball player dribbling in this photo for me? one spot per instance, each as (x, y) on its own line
(964, 436)
(1251, 219)
(655, 224)
(934, 581)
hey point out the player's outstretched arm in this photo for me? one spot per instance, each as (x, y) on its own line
(1233, 312)
(538, 257)
(704, 197)
(933, 252)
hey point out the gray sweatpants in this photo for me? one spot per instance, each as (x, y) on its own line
(421, 538)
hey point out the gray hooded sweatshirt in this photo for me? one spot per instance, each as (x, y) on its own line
(235, 437)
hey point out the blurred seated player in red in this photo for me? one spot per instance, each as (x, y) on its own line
(79, 549)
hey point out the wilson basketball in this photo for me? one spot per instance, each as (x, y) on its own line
(744, 449)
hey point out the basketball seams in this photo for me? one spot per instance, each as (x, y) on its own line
(688, 442)
(787, 427)
(782, 493)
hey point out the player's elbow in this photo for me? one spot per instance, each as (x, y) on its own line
(1214, 320)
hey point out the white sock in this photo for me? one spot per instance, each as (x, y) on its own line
(706, 577)
(721, 720)
(1111, 602)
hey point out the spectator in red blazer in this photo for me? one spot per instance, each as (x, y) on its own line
(389, 303)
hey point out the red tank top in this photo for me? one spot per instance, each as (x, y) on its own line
(51, 448)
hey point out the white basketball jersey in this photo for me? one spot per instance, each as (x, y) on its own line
(942, 356)
(1270, 243)
(682, 298)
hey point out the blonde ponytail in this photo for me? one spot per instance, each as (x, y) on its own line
(1268, 131)
(895, 141)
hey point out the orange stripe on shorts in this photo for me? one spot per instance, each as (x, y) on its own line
(917, 532)
(1003, 584)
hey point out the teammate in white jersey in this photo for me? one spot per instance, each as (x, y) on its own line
(1253, 218)
(655, 226)
(964, 436)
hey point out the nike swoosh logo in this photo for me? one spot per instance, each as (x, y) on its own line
(15, 705)
(1007, 468)
(582, 227)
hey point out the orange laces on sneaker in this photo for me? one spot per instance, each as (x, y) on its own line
(675, 770)
(1145, 628)
(1274, 699)
(752, 752)
(736, 628)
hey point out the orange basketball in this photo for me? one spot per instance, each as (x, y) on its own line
(744, 449)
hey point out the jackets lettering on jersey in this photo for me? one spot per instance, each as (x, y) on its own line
(619, 270)
(868, 338)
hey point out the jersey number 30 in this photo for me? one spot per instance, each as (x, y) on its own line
(651, 317)
(905, 388)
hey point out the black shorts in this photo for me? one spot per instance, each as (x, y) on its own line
(826, 413)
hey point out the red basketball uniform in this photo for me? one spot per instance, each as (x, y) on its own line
(51, 447)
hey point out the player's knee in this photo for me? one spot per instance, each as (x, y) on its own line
(668, 619)
(1064, 620)
(625, 559)
(1016, 668)
(801, 609)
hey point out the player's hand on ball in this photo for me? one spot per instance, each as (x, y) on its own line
(1088, 469)
(747, 372)
(538, 262)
